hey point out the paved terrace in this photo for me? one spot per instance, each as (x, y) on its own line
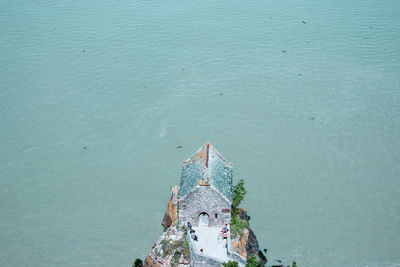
(210, 240)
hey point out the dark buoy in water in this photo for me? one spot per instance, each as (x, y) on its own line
(304, 22)
(84, 147)
(179, 146)
(83, 51)
(312, 118)
(284, 51)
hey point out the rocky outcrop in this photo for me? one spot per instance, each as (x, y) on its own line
(252, 247)
(246, 243)
(243, 215)
(239, 243)
(171, 249)
(171, 215)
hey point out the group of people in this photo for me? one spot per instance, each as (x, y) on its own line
(191, 231)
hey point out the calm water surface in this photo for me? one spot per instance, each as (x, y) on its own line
(302, 96)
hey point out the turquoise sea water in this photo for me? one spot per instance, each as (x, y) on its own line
(302, 96)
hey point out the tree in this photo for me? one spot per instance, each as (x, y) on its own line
(252, 261)
(239, 192)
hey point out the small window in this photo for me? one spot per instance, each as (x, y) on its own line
(216, 216)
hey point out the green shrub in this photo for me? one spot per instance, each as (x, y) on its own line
(237, 226)
(175, 259)
(138, 263)
(176, 244)
(238, 194)
(181, 247)
(164, 241)
(231, 264)
(166, 246)
(252, 261)
(186, 250)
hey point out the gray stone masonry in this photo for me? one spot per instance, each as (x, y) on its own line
(204, 199)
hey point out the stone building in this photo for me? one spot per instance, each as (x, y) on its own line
(203, 198)
(205, 193)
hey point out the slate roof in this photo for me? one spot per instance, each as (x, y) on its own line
(207, 166)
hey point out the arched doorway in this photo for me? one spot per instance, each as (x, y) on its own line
(204, 219)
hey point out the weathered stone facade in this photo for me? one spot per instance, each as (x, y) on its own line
(205, 193)
(204, 199)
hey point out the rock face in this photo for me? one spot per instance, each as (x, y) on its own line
(246, 243)
(171, 249)
(239, 243)
(243, 215)
(252, 247)
(171, 215)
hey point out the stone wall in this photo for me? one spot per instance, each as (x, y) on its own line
(236, 257)
(204, 199)
(203, 261)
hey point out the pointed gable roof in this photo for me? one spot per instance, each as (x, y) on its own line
(207, 167)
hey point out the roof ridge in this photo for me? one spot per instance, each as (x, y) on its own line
(201, 154)
(208, 166)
